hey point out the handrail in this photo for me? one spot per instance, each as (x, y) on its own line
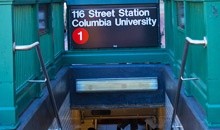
(188, 79)
(197, 42)
(181, 79)
(38, 81)
(36, 45)
(25, 47)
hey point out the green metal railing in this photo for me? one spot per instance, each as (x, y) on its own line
(201, 19)
(20, 26)
(36, 45)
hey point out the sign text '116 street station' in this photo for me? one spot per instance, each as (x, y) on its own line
(117, 17)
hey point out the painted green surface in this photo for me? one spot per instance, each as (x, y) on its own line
(174, 35)
(25, 97)
(24, 1)
(169, 24)
(25, 34)
(46, 46)
(201, 19)
(87, 2)
(20, 25)
(8, 115)
(44, 1)
(117, 56)
(58, 1)
(212, 22)
(197, 59)
(58, 28)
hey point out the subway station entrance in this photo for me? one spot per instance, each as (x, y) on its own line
(109, 65)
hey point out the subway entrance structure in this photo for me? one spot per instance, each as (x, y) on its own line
(114, 64)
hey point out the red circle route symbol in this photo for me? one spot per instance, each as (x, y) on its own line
(80, 36)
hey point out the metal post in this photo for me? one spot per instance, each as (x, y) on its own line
(176, 102)
(47, 80)
(180, 79)
(48, 84)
